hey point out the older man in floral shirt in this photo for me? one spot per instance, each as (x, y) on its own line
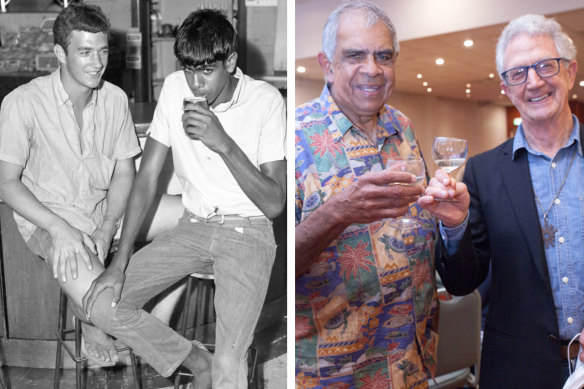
(365, 291)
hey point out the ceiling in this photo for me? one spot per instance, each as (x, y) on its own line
(462, 65)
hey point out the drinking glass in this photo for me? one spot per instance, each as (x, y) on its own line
(414, 165)
(449, 153)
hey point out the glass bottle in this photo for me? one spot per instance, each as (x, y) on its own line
(155, 20)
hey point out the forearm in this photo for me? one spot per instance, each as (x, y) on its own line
(141, 197)
(118, 193)
(315, 233)
(267, 192)
(16, 195)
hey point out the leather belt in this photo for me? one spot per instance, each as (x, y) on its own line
(570, 353)
(227, 219)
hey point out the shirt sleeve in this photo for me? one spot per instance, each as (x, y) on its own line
(127, 145)
(272, 144)
(453, 236)
(15, 131)
(159, 128)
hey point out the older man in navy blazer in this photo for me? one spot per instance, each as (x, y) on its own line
(526, 217)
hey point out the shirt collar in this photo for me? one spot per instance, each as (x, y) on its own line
(236, 93)
(60, 93)
(342, 124)
(520, 142)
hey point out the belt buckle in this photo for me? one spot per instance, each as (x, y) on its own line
(213, 214)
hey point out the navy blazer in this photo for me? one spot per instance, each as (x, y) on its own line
(520, 348)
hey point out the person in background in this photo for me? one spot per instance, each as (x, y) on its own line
(365, 291)
(67, 143)
(229, 155)
(525, 218)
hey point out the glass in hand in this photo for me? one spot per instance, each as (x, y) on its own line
(449, 153)
(413, 165)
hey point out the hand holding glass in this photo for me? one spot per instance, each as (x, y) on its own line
(413, 165)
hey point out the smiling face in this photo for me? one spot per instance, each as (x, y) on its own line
(84, 63)
(362, 70)
(213, 81)
(540, 101)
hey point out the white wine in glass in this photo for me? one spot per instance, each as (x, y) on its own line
(449, 153)
(413, 165)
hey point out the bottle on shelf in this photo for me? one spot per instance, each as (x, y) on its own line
(155, 20)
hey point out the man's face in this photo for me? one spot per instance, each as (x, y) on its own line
(538, 100)
(211, 80)
(85, 61)
(362, 70)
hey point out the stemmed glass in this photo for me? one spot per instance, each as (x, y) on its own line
(449, 153)
(414, 165)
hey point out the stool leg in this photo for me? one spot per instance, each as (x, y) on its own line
(253, 379)
(78, 358)
(60, 335)
(137, 382)
(184, 320)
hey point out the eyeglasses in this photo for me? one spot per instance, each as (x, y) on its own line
(545, 68)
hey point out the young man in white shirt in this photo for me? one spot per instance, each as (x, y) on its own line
(229, 155)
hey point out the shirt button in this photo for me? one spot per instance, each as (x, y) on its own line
(553, 165)
(565, 280)
(561, 239)
(570, 320)
(557, 201)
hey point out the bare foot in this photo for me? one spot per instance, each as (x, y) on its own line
(199, 363)
(99, 346)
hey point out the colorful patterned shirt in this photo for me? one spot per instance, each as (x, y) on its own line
(365, 310)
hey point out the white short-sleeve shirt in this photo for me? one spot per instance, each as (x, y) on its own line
(255, 119)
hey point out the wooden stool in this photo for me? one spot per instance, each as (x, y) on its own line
(76, 355)
(204, 283)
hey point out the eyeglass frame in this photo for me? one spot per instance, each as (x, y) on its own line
(534, 67)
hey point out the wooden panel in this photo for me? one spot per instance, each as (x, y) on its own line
(31, 293)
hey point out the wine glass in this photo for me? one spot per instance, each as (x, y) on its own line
(449, 153)
(414, 165)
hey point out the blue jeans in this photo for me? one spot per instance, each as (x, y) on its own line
(240, 253)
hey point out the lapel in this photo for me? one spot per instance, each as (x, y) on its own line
(519, 190)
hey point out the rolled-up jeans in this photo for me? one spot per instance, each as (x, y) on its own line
(239, 252)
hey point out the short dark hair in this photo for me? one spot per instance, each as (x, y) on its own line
(206, 36)
(79, 17)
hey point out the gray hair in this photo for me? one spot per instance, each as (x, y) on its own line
(370, 10)
(535, 25)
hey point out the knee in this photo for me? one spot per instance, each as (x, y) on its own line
(109, 318)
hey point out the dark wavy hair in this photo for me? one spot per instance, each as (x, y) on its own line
(206, 36)
(79, 17)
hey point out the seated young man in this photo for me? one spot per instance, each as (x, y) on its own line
(67, 143)
(229, 155)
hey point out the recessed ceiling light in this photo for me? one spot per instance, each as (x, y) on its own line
(419, 75)
(491, 75)
(301, 69)
(502, 92)
(468, 85)
(574, 97)
(467, 91)
(429, 89)
(581, 83)
(468, 43)
(468, 95)
(425, 83)
(439, 61)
